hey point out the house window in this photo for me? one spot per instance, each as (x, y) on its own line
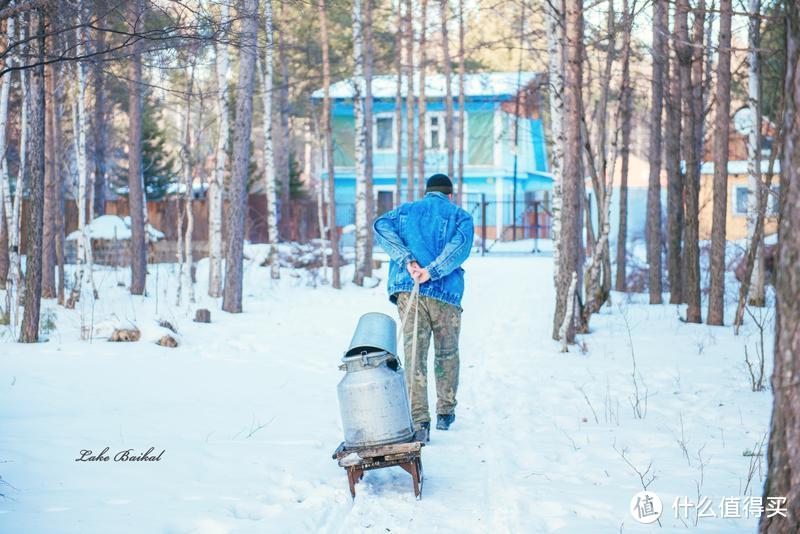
(384, 132)
(773, 204)
(436, 130)
(740, 198)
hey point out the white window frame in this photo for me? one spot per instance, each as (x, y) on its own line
(735, 195)
(395, 133)
(442, 115)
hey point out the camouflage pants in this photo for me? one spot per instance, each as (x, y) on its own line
(443, 320)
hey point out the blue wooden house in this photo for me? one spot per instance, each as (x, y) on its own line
(493, 113)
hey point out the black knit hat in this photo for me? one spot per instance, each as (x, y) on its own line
(439, 182)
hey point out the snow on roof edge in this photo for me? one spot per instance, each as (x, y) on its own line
(475, 84)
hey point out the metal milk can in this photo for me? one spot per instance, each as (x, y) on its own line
(372, 395)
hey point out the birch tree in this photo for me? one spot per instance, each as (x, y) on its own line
(554, 11)
(716, 296)
(5, 189)
(783, 454)
(756, 291)
(80, 128)
(232, 294)
(216, 185)
(569, 238)
(184, 245)
(328, 131)
(360, 149)
(270, 185)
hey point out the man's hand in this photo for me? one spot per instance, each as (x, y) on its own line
(423, 275)
(418, 273)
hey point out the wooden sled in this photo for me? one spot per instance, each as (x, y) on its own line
(406, 455)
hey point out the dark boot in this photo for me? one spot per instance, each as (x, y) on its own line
(443, 422)
(422, 431)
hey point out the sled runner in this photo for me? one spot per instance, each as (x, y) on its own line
(406, 455)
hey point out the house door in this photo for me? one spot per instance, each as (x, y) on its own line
(385, 201)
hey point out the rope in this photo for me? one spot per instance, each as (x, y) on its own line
(413, 298)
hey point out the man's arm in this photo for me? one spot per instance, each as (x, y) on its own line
(456, 251)
(387, 233)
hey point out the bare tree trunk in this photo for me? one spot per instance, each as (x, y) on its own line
(783, 456)
(282, 154)
(50, 205)
(423, 25)
(716, 297)
(756, 277)
(217, 182)
(237, 206)
(556, 64)
(461, 101)
(326, 121)
(690, 54)
(136, 192)
(672, 139)
(627, 111)
(368, 166)
(660, 28)
(409, 31)
(398, 105)
(448, 103)
(270, 185)
(362, 219)
(313, 138)
(570, 240)
(35, 218)
(99, 126)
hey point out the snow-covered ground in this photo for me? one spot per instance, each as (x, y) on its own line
(246, 412)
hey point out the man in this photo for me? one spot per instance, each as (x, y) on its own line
(428, 240)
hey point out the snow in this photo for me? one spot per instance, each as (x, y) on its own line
(475, 84)
(113, 227)
(246, 412)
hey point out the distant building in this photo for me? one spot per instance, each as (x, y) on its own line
(738, 184)
(489, 141)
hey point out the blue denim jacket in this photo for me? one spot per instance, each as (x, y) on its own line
(434, 232)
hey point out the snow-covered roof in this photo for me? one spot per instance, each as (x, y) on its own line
(113, 227)
(180, 188)
(740, 167)
(475, 84)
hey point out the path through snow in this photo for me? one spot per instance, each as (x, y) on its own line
(527, 453)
